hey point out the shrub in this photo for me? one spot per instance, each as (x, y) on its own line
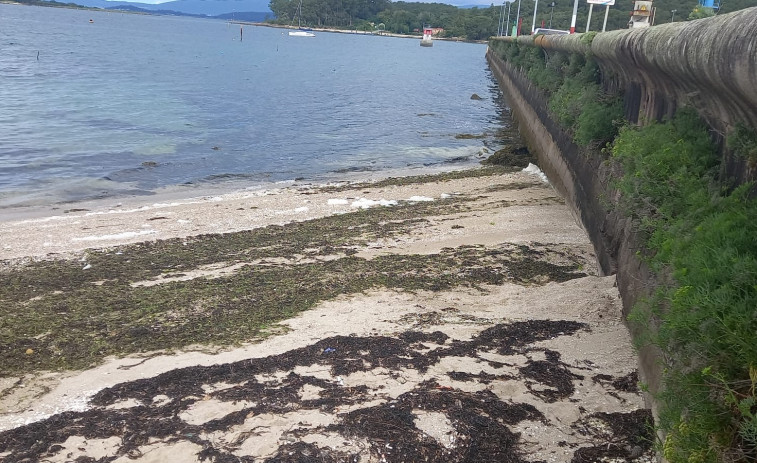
(575, 64)
(668, 168)
(567, 102)
(743, 142)
(598, 122)
(588, 37)
(706, 317)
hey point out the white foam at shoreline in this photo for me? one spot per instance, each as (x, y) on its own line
(364, 203)
(533, 169)
(115, 236)
(337, 202)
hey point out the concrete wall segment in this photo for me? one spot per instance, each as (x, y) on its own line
(709, 65)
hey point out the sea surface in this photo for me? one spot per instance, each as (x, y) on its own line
(108, 105)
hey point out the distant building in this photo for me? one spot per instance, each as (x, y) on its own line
(642, 15)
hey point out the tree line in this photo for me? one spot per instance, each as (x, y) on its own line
(478, 23)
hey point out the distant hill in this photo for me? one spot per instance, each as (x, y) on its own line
(187, 7)
(249, 16)
(128, 7)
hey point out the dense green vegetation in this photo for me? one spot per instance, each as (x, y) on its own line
(704, 237)
(572, 84)
(701, 241)
(471, 23)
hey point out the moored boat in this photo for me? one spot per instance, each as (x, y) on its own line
(302, 33)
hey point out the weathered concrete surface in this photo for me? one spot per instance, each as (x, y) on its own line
(710, 64)
(584, 180)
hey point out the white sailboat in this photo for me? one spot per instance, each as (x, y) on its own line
(300, 32)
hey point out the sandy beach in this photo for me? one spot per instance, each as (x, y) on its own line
(449, 318)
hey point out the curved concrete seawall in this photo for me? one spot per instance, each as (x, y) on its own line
(709, 65)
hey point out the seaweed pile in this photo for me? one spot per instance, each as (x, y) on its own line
(366, 418)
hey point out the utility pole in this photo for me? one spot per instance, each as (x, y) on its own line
(533, 24)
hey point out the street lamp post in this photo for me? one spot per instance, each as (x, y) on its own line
(673, 15)
(507, 30)
(588, 21)
(552, 6)
(499, 24)
(517, 21)
(533, 24)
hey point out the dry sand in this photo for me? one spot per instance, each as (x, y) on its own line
(595, 357)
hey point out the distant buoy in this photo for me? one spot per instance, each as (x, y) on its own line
(91, 20)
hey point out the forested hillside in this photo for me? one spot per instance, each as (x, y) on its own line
(473, 23)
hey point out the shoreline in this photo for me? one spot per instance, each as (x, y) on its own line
(357, 32)
(179, 192)
(297, 322)
(32, 224)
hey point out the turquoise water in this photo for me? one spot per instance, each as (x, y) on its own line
(128, 104)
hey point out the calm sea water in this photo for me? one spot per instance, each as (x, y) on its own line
(129, 104)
